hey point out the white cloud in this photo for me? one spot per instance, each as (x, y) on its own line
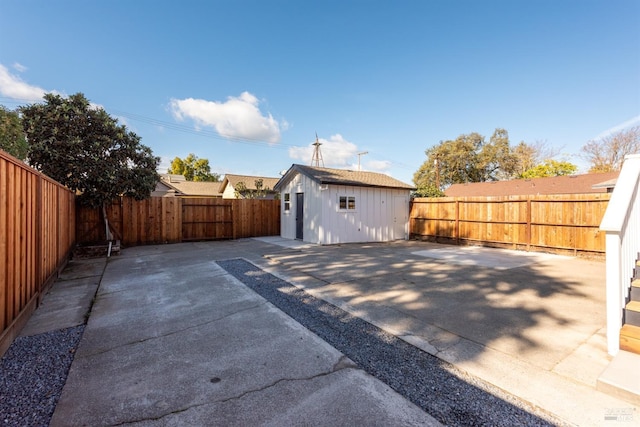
(336, 152)
(19, 67)
(378, 166)
(165, 164)
(12, 86)
(237, 117)
(339, 153)
(617, 128)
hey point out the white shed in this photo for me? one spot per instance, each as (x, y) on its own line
(329, 206)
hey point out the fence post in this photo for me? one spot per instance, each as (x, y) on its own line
(457, 223)
(234, 217)
(38, 237)
(528, 229)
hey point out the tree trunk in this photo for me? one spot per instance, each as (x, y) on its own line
(106, 223)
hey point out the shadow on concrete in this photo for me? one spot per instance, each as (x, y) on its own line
(432, 384)
(538, 312)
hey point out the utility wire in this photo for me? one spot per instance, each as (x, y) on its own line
(202, 133)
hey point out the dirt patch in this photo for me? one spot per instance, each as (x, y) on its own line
(96, 250)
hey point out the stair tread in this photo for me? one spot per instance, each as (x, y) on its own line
(635, 283)
(630, 338)
(633, 306)
(630, 331)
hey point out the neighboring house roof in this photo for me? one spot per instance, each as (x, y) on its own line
(163, 189)
(168, 177)
(342, 177)
(607, 185)
(182, 187)
(198, 188)
(248, 181)
(570, 184)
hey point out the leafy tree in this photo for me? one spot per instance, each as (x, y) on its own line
(468, 158)
(531, 155)
(193, 169)
(550, 168)
(607, 154)
(12, 139)
(85, 149)
(241, 190)
(429, 190)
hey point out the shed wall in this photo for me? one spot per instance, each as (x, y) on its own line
(312, 209)
(381, 214)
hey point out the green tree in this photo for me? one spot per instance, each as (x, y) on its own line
(12, 139)
(531, 155)
(429, 190)
(85, 149)
(550, 168)
(193, 169)
(607, 154)
(468, 158)
(259, 192)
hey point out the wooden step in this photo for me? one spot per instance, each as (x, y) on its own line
(635, 290)
(630, 338)
(632, 313)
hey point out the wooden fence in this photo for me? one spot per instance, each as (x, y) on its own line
(180, 219)
(37, 234)
(553, 223)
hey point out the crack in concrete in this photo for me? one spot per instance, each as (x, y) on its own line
(169, 333)
(343, 363)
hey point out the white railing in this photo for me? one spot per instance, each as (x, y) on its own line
(621, 222)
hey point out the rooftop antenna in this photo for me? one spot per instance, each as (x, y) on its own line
(360, 154)
(317, 155)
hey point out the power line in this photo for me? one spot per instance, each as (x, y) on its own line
(204, 133)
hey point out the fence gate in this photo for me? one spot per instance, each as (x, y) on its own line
(206, 219)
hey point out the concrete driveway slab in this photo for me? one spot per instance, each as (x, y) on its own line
(172, 340)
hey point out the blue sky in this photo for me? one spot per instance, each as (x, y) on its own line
(248, 84)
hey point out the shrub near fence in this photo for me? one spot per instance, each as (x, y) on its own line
(553, 223)
(37, 234)
(180, 219)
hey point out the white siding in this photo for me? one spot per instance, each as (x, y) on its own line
(312, 212)
(371, 221)
(229, 192)
(374, 220)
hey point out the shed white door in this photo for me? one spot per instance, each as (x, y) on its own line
(400, 217)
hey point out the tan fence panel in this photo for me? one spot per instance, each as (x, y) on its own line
(177, 219)
(433, 217)
(37, 234)
(559, 223)
(256, 217)
(206, 219)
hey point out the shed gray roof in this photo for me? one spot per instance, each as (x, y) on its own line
(343, 177)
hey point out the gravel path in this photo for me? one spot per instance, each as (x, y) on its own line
(32, 374)
(450, 396)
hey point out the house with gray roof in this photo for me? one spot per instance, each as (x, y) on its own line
(330, 206)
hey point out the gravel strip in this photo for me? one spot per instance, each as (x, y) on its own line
(32, 374)
(449, 395)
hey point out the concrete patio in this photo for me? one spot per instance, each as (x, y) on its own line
(530, 324)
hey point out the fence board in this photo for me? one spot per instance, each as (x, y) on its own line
(557, 223)
(37, 233)
(177, 219)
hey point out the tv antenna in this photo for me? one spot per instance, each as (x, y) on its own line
(360, 154)
(317, 155)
